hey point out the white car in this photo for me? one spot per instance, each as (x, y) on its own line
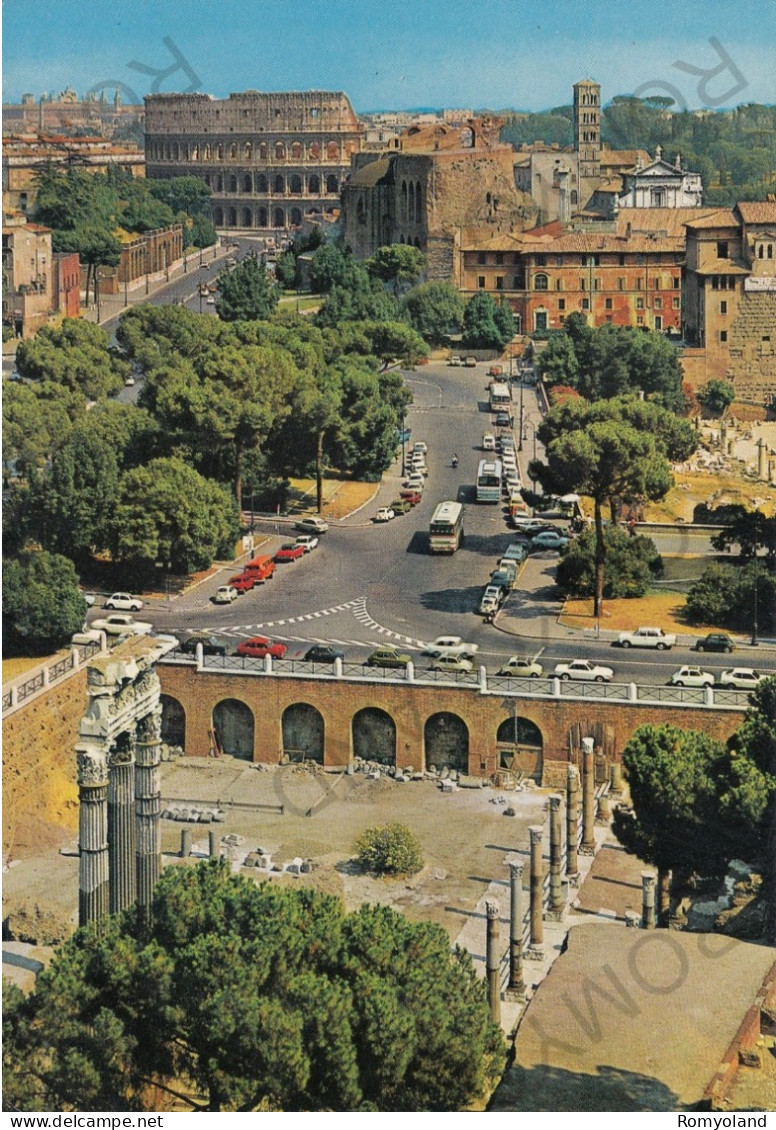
(517, 666)
(121, 624)
(585, 670)
(420, 446)
(311, 526)
(124, 602)
(414, 479)
(450, 645)
(492, 599)
(452, 663)
(308, 542)
(548, 539)
(225, 594)
(384, 514)
(744, 678)
(129, 382)
(489, 442)
(523, 523)
(692, 677)
(647, 637)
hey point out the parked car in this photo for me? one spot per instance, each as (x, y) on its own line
(537, 524)
(692, 677)
(452, 663)
(503, 420)
(470, 362)
(647, 637)
(515, 552)
(400, 506)
(225, 594)
(419, 467)
(549, 539)
(261, 568)
(124, 602)
(744, 678)
(129, 382)
(308, 542)
(492, 599)
(388, 657)
(323, 653)
(243, 582)
(450, 645)
(384, 514)
(715, 641)
(311, 526)
(420, 446)
(489, 442)
(288, 552)
(414, 479)
(516, 665)
(122, 624)
(211, 300)
(495, 370)
(211, 645)
(502, 579)
(258, 646)
(585, 670)
(455, 360)
(87, 636)
(411, 496)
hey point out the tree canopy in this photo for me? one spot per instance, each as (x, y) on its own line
(481, 324)
(632, 563)
(246, 292)
(435, 310)
(75, 354)
(398, 263)
(246, 998)
(42, 604)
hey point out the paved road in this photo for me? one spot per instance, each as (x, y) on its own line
(369, 584)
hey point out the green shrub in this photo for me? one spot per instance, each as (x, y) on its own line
(390, 850)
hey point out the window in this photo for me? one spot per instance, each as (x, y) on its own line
(558, 260)
(499, 259)
(639, 321)
(658, 322)
(582, 284)
(676, 282)
(481, 258)
(723, 335)
(658, 303)
(766, 337)
(499, 282)
(621, 284)
(540, 282)
(592, 261)
(541, 260)
(639, 303)
(622, 260)
(675, 302)
(517, 282)
(656, 284)
(561, 303)
(585, 303)
(481, 282)
(639, 283)
(723, 307)
(596, 284)
(608, 304)
(722, 249)
(559, 284)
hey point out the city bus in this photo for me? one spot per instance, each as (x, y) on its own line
(500, 396)
(445, 533)
(489, 480)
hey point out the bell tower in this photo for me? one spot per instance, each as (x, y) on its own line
(587, 136)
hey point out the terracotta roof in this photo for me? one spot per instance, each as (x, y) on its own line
(757, 211)
(624, 157)
(721, 218)
(668, 220)
(724, 267)
(592, 242)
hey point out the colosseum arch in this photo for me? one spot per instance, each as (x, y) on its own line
(263, 151)
(219, 152)
(278, 218)
(446, 742)
(280, 151)
(403, 212)
(520, 746)
(374, 735)
(233, 184)
(303, 732)
(263, 218)
(173, 721)
(296, 185)
(332, 151)
(247, 218)
(218, 217)
(233, 152)
(279, 186)
(315, 151)
(332, 183)
(261, 183)
(247, 183)
(219, 183)
(296, 151)
(248, 150)
(314, 184)
(234, 727)
(418, 202)
(296, 217)
(231, 218)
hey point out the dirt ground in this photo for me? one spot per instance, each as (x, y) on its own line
(664, 609)
(465, 838)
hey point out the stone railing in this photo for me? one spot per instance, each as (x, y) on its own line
(35, 682)
(716, 698)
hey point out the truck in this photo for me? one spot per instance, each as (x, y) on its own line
(647, 637)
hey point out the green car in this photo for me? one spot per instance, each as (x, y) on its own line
(388, 657)
(400, 506)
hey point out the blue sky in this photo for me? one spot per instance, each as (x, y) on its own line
(397, 54)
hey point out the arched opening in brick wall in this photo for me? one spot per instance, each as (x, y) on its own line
(247, 218)
(173, 721)
(218, 217)
(279, 219)
(374, 736)
(233, 724)
(231, 218)
(279, 186)
(261, 183)
(303, 732)
(520, 746)
(332, 183)
(248, 183)
(446, 742)
(314, 184)
(296, 217)
(263, 217)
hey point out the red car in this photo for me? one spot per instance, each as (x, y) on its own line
(411, 496)
(289, 552)
(243, 582)
(259, 646)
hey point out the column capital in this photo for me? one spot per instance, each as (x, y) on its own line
(492, 908)
(516, 867)
(92, 762)
(535, 832)
(648, 878)
(555, 803)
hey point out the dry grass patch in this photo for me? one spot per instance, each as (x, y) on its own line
(12, 668)
(664, 610)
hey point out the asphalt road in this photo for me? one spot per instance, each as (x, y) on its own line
(370, 584)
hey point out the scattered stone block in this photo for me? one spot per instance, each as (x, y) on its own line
(251, 860)
(448, 786)
(234, 840)
(632, 919)
(276, 867)
(306, 867)
(509, 811)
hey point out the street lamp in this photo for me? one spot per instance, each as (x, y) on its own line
(755, 641)
(522, 416)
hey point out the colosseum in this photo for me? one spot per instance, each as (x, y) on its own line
(272, 161)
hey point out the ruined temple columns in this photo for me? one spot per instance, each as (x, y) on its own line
(516, 988)
(535, 950)
(492, 961)
(587, 846)
(148, 805)
(557, 905)
(572, 825)
(648, 900)
(92, 834)
(121, 829)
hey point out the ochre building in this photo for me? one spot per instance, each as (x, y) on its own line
(272, 161)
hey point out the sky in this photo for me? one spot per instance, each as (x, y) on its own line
(396, 54)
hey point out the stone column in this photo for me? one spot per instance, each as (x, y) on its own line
(588, 798)
(615, 777)
(148, 805)
(535, 950)
(185, 843)
(516, 982)
(492, 961)
(648, 900)
(92, 833)
(572, 825)
(214, 844)
(557, 905)
(121, 829)
(604, 813)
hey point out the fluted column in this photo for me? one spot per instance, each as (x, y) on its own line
(516, 980)
(588, 798)
(148, 805)
(121, 829)
(492, 961)
(572, 825)
(535, 949)
(648, 879)
(92, 834)
(557, 905)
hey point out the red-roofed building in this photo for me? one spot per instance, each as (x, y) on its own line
(27, 275)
